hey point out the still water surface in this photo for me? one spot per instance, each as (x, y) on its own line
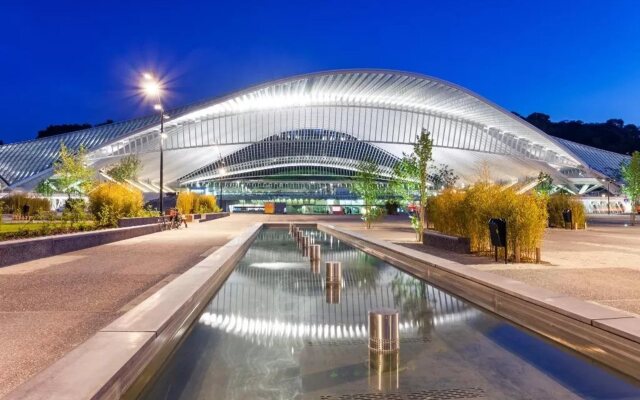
(276, 331)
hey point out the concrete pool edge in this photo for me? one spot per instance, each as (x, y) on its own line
(607, 335)
(123, 356)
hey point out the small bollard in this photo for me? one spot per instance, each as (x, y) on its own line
(384, 331)
(314, 252)
(538, 255)
(333, 272)
(315, 267)
(332, 292)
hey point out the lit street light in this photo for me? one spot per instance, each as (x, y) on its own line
(153, 90)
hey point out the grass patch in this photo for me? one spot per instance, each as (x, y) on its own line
(26, 229)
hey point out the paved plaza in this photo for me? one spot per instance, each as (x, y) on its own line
(50, 305)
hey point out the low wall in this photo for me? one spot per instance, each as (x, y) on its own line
(446, 242)
(137, 221)
(212, 216)
(18, 251)
(605, 334)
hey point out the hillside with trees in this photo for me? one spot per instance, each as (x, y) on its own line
(53, 130)
(613, 135)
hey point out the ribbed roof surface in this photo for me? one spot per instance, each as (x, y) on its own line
(456, 111)
(603, 161)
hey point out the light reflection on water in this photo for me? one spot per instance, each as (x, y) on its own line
(276, 330)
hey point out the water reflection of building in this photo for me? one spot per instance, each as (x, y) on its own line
(274, 295)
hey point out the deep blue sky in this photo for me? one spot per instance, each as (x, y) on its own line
(76, 61)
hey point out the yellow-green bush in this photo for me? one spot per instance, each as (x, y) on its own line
(110, 201)
(186, 202)
(190, 202)
(13, 204)
(466, 214)
(207, 203)
(557, 203)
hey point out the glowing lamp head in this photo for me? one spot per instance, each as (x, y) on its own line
(157, 107)
(151, 88)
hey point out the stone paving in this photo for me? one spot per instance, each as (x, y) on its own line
(50, 305)
(601, 264)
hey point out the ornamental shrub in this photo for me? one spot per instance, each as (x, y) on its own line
(206, 203)
(110, 201)
(14, 203)
(466, 213)
(559, 202)
(186, 202)
(190, 202)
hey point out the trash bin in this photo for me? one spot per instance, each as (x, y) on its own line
(498, 234)
(567, 217)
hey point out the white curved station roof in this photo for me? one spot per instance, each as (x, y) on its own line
(326, 110)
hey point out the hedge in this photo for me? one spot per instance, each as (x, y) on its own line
(560, 202)
(191, 202)
(13, 204)
(466, 214)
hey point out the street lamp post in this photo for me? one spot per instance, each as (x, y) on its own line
(153, 90)
(161, 160)
(609, 196)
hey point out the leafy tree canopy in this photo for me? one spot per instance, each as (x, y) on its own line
(367, 187)
(412, 177)
(72, 173)
(630, 172)
(127, 169)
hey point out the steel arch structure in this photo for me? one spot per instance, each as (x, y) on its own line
(333, 118)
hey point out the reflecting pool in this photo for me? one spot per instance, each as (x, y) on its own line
(276, 330)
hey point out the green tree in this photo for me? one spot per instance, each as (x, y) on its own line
(412, 179)
(545, 183)
(126, 169)
(366, 186)
(442, 177)
(46, 187)
(631, 174)
(72, 173)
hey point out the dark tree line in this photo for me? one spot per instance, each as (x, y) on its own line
(53, 130)
(613, 135)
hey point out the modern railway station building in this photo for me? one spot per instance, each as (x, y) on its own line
(300, 139)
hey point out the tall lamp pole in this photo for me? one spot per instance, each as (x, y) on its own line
(153, 90)
(609, 196)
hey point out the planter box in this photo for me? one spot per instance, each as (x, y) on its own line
(212, 216)
(137, 221)
(446, 242)
(19, 251)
